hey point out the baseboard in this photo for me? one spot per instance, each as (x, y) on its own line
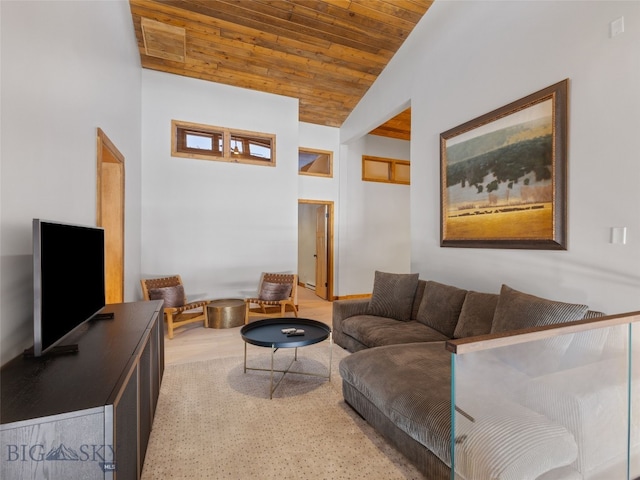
(353, 297)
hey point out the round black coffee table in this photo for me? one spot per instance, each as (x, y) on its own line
(269, 333)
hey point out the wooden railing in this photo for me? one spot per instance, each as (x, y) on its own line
(503, 339)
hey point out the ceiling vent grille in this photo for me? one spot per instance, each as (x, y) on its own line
(163, 41)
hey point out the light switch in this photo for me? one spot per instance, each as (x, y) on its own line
(617, 27)
(619, 235)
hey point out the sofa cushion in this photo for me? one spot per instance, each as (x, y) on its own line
(393, 295)
(374, 331)
(476, 316)
(535, 443)
(440, 307)
(411, 385)
(517, 310)
(588, 401)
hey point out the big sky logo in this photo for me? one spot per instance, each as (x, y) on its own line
(102, 454)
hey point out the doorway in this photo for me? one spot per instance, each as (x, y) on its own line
(110, 214)
(315, 246)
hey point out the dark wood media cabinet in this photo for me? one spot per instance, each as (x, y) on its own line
(86, 414)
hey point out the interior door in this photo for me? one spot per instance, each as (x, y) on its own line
(321, 251)
(110, 215)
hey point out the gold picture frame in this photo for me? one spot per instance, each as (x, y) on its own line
(503, 176)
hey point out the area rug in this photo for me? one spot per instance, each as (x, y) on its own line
(214, 421)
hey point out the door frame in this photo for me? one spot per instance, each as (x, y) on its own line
(330, 237)
(116, 185)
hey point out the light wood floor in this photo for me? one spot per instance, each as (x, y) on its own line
(194, 343)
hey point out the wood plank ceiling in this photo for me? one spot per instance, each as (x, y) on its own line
(326, 53)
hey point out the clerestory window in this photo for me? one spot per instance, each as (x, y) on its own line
(315, 162)
(205, 142)
(387, 170)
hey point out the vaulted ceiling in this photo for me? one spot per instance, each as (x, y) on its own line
(326, 53)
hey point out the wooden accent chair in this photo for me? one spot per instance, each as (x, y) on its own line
(177, 310)
(276, 290)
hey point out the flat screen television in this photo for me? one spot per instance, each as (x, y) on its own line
(68, 279)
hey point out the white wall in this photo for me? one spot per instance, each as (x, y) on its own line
(375, 221)
(220, 225)
(217, 224)
(318, 188)
(320, 138)
(67, 69)
(465, 59)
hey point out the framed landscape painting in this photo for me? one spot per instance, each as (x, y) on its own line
(504, 175)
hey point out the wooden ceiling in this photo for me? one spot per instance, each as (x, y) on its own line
(326, 53)
(396, 127)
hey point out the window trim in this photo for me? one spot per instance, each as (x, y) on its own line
(329, 153)
(178, 149)
(181, 141)
(392, 163)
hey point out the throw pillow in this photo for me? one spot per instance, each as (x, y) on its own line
(172, 296)
(418, 298)
(517, 310)
(440, 307)
(393, 295)
(476, 316)
(274, 292)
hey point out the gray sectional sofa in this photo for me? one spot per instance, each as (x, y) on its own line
(399, 376)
